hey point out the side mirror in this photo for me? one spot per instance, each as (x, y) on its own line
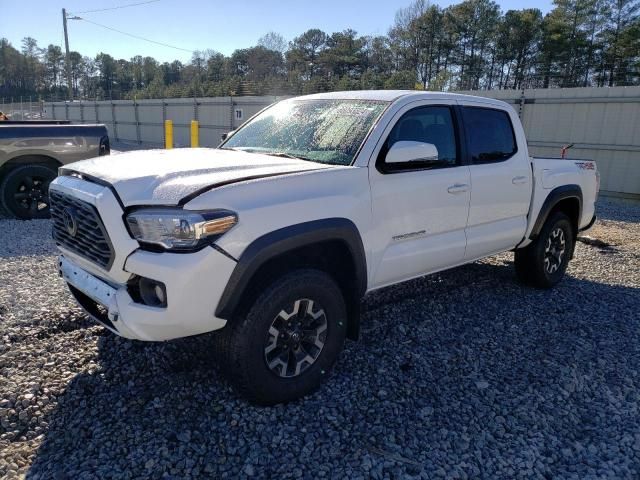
(409, 151)
(224, 136)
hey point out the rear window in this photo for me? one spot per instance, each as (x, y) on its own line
(490, 134)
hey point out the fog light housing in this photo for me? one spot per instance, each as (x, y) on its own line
(148, 292)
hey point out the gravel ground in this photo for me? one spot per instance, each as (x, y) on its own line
(464, 374)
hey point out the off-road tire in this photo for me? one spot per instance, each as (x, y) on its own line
(531, 267)
(244, 341)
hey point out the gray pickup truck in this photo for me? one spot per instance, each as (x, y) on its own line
(30, 154)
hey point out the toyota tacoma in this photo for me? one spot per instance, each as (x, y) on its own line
(274, 237)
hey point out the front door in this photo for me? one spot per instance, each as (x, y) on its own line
(419, 208)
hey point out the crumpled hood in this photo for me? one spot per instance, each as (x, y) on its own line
(165, 177)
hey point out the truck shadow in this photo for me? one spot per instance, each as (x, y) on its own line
(466, 363)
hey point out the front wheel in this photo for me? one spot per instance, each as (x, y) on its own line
(289, 340)
(24, 192)
(543, 263)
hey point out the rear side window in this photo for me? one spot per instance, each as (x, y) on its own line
(490, 134)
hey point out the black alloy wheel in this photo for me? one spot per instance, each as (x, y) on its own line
(296, 338)
(554, 251)
(25, 191)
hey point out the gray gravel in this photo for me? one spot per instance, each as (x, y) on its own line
(464, 374)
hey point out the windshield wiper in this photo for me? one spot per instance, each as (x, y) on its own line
(273, 154)
(288, 155)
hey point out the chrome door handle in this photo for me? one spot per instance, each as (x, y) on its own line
(519, 180)
(458, 188)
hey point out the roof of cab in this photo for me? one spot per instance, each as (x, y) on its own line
(392, 95)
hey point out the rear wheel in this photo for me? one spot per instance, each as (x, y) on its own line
(289, 340)
(543, 263)
(24, 191)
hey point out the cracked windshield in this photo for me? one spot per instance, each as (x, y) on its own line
(325, 131)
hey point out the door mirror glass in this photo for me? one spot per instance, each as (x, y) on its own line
(409, 151)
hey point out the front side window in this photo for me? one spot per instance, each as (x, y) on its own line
(490, 134)
(433, 124)
(325, 131)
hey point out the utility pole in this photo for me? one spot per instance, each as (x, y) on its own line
(67, 60)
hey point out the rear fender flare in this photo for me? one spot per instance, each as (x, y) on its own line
(555, 196)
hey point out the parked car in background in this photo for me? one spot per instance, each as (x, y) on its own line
(31, 153)
(274, 237)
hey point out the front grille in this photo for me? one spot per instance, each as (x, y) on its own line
(77, 227)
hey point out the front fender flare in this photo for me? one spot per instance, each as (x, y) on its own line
(287, 239)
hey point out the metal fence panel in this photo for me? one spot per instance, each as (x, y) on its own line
(603, 123)
(21, 110)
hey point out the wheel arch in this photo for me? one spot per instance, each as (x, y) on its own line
(567, 199)
(332, 245)
(29, 159)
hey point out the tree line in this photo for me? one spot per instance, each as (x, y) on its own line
(466, 46)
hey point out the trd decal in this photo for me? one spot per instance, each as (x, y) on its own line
(585, 165)
(405, 236)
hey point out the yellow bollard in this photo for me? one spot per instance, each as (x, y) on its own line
(168, 134)
(194, 134)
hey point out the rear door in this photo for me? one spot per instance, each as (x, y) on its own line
(501, 179)
(419, 209)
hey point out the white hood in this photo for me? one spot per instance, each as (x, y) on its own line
(164, 177)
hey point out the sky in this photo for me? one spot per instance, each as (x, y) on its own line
(197, 24)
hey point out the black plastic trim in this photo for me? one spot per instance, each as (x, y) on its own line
(590, 224)
(463, 151)
(556, 195)
(286, 239)
(92, 308)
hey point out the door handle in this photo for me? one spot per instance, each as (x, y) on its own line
(519, 180)
(458, 188)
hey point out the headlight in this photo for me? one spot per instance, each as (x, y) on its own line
(179, 230)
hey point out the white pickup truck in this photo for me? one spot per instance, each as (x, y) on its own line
(274, 237)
